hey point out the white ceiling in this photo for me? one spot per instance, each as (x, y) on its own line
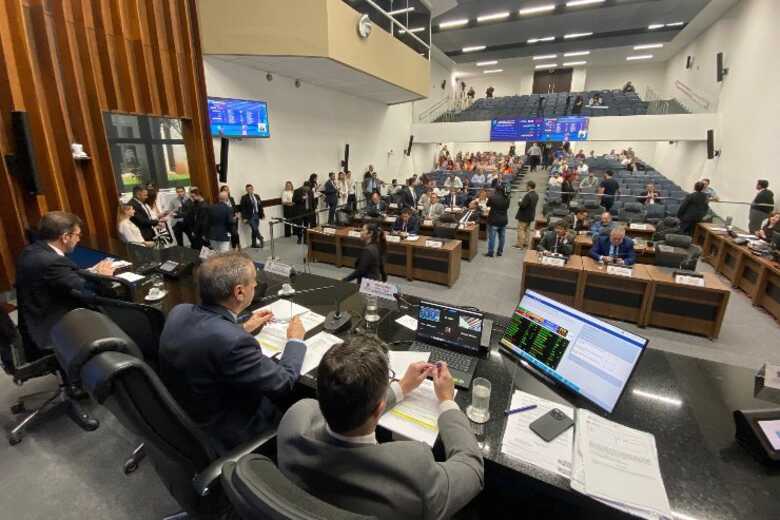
(326, 73)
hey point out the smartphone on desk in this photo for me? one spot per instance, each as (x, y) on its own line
(551, 424)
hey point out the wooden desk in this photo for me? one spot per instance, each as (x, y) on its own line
(646, 231)
(645, 254)
(559, 283)
(691, 309)
(730, 259)
(710, 240)
(767, 293)
(411, 259)
(614, 296)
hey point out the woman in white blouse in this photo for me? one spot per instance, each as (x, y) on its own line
(341, 185)
(287, 206)
(128, 231)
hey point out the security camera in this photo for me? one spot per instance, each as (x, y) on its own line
(297, 83)
(269, 77)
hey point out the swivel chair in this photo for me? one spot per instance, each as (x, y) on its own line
(108, 363)
(632, 212)
(677, 251)
(257, 489)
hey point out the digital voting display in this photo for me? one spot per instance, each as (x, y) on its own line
(238, 117)
(540, 129)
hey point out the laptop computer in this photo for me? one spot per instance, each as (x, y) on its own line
(452, 335)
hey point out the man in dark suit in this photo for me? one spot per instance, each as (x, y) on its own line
(693, 209)
(375, 205)
(213, 365)
(252, 213)
(196, 219)
(614, 249)
(303, 209)
(220, 223)
(328, 447)
(406, 223)
(143, 216)
(408, 195)
(526, 213)
(454, 199)
(497, 218)
(763, 204)
(331, 193)
(559, 240)
(46, 281)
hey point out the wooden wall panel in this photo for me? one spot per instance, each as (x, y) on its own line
(66, 63)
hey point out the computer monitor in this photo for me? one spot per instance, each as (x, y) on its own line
(449, 326)
(588, 356)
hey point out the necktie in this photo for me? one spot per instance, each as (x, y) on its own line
(254, 204)
(612, 250)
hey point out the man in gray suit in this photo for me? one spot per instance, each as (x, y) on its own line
(329, 447)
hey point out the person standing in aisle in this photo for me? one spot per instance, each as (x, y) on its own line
(331, 193)
(235, 243)
(252, 213)
(526, 214)
(497, 219)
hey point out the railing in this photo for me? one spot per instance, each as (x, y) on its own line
(445, 108)
(688, 92)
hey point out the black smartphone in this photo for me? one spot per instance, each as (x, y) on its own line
(551, 424)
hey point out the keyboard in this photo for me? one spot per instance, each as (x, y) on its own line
(454, 360)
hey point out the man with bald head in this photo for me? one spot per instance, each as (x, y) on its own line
(614, 249)
(220, 223)
(603, 225)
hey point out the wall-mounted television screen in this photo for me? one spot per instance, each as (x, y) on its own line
(238, 117)
(571, 128)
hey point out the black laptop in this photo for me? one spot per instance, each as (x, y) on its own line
(452, 335)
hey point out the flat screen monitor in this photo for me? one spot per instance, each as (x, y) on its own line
(569, 128)
(588, 356)
(238, 117)
(449, 326)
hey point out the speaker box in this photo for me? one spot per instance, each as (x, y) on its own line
(689, 62)
(711, 144)
(345, 162)
(722, 71)
(222, 168)
(409, 148)
(23, 164)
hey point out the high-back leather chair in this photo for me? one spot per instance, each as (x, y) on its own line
(109, 365)
(632, 212)
(677, 251)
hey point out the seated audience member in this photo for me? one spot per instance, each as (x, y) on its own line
(406, 223)
(589, 183)
(771, 226)
(602, 226)
(143, 217)
(583, 169)
(555, 182)
(581, 223)
(693, 209)
(567, 189)
(558, 240)
(329, 448)
(478, 179)
(434, 210)
(580, 155)
(611, 155)
(616, 248)
(489, 92)
(454, 199)
(128, 231)
(453, 181)
(708, 190)
(371, 263)
(211, 363)
(375, 206)
(466, 192)
(649, 196)
(628, 87)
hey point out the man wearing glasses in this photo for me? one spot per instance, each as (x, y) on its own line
(46, 280)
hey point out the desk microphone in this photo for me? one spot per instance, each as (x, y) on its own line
(338, 321)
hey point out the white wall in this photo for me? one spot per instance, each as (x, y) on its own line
(642, 76)
(748, 108)
(515, 80)
(309, 127)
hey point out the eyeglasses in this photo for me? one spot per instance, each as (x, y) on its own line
(75, 233)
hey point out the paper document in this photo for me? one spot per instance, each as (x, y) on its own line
(618, 466)
(130, 277)
(284, 310)
(119, 264)
(523, 444)
(407, 321)
(400, 360)
(272, 341)
(772, 376)
(417, 416)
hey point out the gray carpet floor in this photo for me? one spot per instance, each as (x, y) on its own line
(61, 472)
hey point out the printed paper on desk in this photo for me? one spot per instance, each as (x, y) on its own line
(523, 444)
(278, 268)
(284, 310)
(205, 253)
(400, 360)
(119, 264)
(553, 261)
(316, 347)
(329, 231)
(393, 238)
(417, 416)
(696, 281)
(354, 234)
(619, 270)
(386, 291)
(407, 321)
(130, 276)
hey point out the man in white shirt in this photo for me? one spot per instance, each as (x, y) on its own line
(535, 155)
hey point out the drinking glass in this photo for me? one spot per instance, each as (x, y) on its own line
(479, 410)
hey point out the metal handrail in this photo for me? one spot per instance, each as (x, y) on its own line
(696, 98)
(430, 110)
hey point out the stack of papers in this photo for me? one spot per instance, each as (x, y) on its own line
(316, 347)
(417, 416)
(523, 444)
(129, 276)
(618, 466)
(273, 337)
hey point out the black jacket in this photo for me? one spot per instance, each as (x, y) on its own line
(220, 222)
(44, 281)
(694, 207)
(526, 210)
(498, 204)
(216, 372)
(247, 208)
(141, 219)
(370, 264)
(299, 202)
(554, 244)
(331, 193)
(412, 225)
(763, 197)
(407, 199)
(197, 219)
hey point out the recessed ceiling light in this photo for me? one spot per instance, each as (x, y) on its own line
(574, 63)
(493, 71)
(453, 23)
(655, 26)
(575, 53)
(545, 39)
(401, 11)
(486, 63)
(675, 24)
(547, 66)
(577, 35)
(536, 10)
(648, 46)
(639, 57)
(491, 17)
(474, 48)
(545, 57)
(578, 3)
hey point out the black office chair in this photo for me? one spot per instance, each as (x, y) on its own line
(257, 489)
(677, 251)
(108, 363)
(667, 226)
(144, 325)
(632, 212)
(447, 231)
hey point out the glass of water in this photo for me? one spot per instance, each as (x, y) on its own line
(479, 409)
